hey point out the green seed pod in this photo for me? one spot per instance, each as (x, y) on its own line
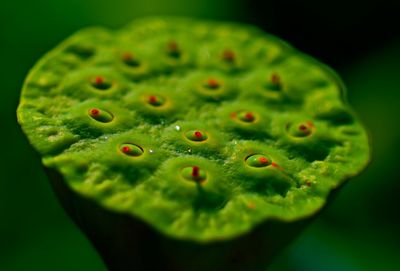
(187, 145)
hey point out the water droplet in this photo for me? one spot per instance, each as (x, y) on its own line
(189, 150)
(151, 151)
(177, 127)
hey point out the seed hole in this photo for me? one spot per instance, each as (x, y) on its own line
(194, 173)
(173, 49)
(212, 84)
(196, 135)
(131, 149)
(100, 115)
(301, 129)
(274, 83)
(155, 100)
(246, 116)
(228, 56)
(130, 60)
(101, 83)
(258, 160)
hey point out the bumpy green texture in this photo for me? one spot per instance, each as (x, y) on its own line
(201, 129)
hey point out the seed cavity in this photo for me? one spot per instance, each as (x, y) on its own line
(130, 60)
(228, 56)
(173, 49)
(101, 115)
(155, 100)
(101, 83)
(131, 149)
(84, 51)
(301, 129)
(212, 84)
(258, 160)
(196, 135)
(274, 83)
(194, 173)
(246, 116)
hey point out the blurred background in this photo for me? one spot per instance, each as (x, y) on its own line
(360, 39)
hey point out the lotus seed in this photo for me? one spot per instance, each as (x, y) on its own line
(131, 149)
(156, 100)
(196, 135)
(173, 49)
(246, 116)
(130, 60)
(302, 129)
(212, 84)
(275, 83)
(101, 83)
(258, 160)
(101, 115)
(194, 173)
(228, 56)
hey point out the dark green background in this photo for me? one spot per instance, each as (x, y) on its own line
(359, 231)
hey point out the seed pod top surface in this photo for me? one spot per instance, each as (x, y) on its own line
(201, 129)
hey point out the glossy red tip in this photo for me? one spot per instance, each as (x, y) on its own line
(275, 79)
(173, 46)
(249, 116)
(94, 111)
(303, 128)
(228, 55)
(99, 80)
(213, 83)
(152, 99)
(263, 160)
(126, 149)
(195, 171)
(127, 56)
(198, 134)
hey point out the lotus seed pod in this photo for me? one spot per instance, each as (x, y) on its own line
(181, 144)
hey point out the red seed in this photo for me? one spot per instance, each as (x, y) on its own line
(198, 134)
(127, 56)
(126, 149)
(249, 116)
(263, 160)
(153, 99)
(195, 171)
(173, 46)
(275, 79)
(94, 111)
(302, 128)
(99, 80)
(212, 83)
(228, 55)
